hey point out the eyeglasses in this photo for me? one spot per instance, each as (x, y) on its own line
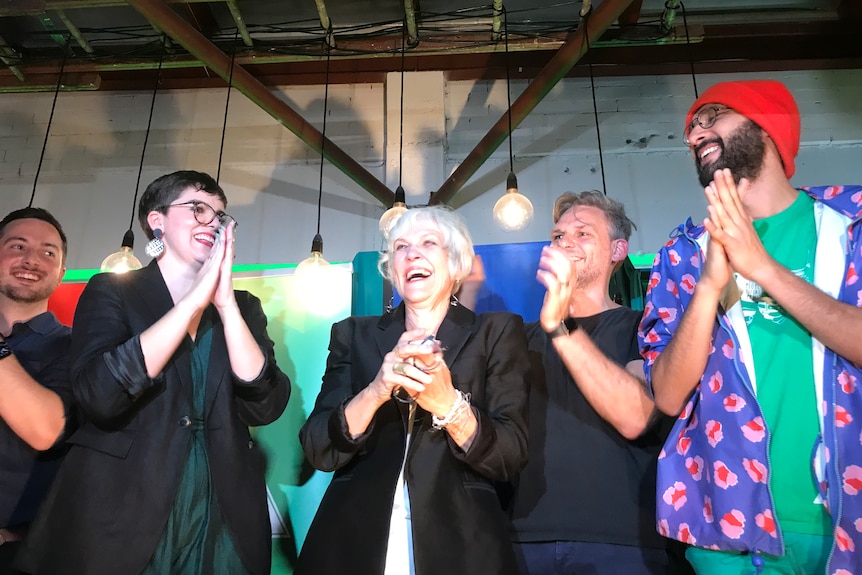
(205, 213)
(705, 118)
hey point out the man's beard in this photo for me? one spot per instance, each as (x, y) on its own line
(743, 154)
(26, 296)
(587, 275)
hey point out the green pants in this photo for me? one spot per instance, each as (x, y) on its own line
(803, 555)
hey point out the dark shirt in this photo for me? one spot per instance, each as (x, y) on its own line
(41, 346)
(584, 481)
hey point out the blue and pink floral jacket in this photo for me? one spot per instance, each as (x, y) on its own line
(713, 471)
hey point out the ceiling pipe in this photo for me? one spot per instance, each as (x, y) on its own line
(325, 22)
(187, 36)
(240, 23)
(497, 22)
(559, 65)
(410, 21)
(8, 57)
(75, 32)
(668, 16)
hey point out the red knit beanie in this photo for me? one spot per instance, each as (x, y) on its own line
(767, 103)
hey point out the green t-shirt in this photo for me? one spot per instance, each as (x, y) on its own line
(783, 366)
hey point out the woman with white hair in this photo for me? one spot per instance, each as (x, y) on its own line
(420, 412)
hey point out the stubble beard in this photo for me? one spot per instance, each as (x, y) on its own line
(743, 154)
(26, 296)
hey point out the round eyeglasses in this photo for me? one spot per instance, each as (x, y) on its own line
(205, 213)
(705, 118)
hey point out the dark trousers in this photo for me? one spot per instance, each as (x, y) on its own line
(577, 558)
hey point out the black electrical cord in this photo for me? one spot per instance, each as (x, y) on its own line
(323, 131)
(147, 133)
(227, 104)
(586, 21)
(50, 119)
(508, 89)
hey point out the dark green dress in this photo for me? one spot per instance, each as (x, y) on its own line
(196, 540)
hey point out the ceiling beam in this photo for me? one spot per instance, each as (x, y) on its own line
(48, 83)
(34, 7)
(158, 12)
(557, 67)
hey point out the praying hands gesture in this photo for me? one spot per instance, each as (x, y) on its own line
(732, 232)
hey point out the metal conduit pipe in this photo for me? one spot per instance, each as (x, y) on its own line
(187, 36)
(240, 23)
(556, 68)
(410, 21)
(669, 15)
(75, 32)
(325, 22)
(7, 55)
(497, 21)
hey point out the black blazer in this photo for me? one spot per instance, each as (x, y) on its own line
(109, 504)
(458, 525)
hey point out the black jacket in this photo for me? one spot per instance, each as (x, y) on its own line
(107, 509)
(458, 525)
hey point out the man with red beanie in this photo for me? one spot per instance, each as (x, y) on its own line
(752, 335)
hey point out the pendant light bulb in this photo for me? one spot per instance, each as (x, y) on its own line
(123, 260)
(513, 211)
(314, 279)
(390, 216)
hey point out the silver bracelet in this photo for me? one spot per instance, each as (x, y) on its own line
(456, 412)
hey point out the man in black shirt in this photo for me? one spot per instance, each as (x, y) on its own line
(585, 503)
(35, 392)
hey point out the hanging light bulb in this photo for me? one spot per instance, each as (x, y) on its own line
(313, 276)
(513, 211)
(390, 216)
(315, 282)
(123, 260)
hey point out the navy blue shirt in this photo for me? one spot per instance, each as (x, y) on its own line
(41, 346)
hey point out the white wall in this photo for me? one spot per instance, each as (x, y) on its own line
(271, 178)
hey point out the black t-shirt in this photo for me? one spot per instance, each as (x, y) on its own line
(584, 481)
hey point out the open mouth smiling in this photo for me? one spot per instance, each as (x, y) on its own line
(417, 274)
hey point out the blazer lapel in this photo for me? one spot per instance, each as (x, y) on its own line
(389, 329)
(456, 329)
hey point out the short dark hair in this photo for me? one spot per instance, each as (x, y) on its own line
(30, 213)
(162, 192)
(615, 212)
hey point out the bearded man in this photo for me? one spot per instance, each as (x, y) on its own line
(751, 335)
(35, 391)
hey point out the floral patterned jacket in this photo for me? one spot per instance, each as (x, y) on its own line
(713, 471)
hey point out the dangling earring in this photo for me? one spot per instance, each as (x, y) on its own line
(155, 246)
(390, 306)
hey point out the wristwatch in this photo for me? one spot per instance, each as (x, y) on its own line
(559, 331)
(5, 350)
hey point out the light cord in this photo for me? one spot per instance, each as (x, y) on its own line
(50, 119)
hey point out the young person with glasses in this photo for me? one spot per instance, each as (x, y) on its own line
(171, 366)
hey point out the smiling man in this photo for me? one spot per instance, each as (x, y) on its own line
(585, 502)
(34, 384)
(751, 336)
